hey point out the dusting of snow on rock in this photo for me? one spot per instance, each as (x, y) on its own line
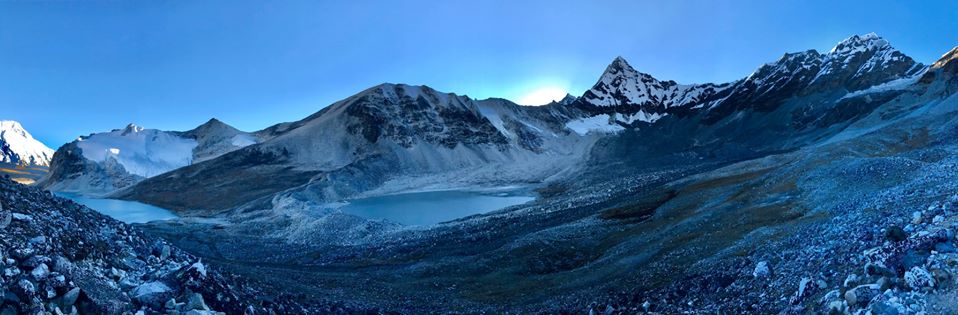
(142, 152)
(17, 146)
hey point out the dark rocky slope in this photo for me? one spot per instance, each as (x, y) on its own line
(58, 256)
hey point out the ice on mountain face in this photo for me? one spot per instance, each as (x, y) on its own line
(599, 123)
(243, 140)
(887, 86)
(17, 146)
(142, 152)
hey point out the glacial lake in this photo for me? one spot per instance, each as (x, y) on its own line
(123, 210)
(426, 208)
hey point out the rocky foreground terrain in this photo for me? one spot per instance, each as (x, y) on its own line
(58, 257)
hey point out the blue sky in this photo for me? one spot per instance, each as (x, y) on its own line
(75, 67)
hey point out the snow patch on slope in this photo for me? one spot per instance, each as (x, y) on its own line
(243, 140)
(892, 85)
(599, 123)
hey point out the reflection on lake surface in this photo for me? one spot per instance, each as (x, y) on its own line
(424, 208)
(123, 210)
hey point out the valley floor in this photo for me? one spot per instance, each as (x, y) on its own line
(859, 224)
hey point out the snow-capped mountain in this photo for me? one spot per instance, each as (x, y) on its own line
(18, 147)
(395, 137)
(391, 137)
(644, 97)
(103, 162)
(142, 152)
(802, 152)
(624, 96)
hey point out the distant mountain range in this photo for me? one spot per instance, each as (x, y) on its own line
(395, 137)
(820, 183)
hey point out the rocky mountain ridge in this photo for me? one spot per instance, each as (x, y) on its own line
(394, 137)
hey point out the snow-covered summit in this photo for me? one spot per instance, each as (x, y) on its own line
(17, 146)
(621, 84)
(859, 43)
(132, 128)
(142, 152)
(862, 60)
(855, 63)
(100, 163)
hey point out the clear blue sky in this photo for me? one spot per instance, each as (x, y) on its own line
(75, 67)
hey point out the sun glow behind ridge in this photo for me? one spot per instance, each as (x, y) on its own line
(542, 96)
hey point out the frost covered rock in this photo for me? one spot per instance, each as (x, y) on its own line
(762, 270)
(804, 289)
(916, 217)
(22, 217)
(40, 272)
(5, 217)
(937, 219)
(918, 278)
(152, 293)
(196, 302)
(70, 297)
